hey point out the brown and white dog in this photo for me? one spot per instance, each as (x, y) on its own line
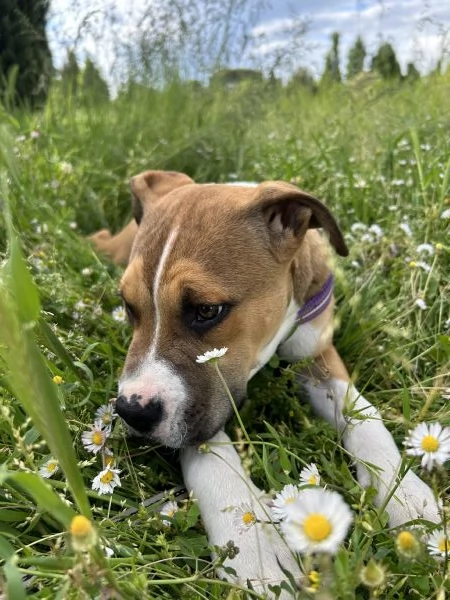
(213, 266)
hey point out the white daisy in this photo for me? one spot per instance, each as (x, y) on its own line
(106, 481)
(446, 214)
(318, 521)
(283, 501)
(119, 314)
(406, 229)
(376, 229)
(431, 442)
(244, 517)
(438, 544)
(211, 355)
(168, 510)
(87, 271)
(423, 265)
(420, 302)
(309, 475)
(49, 468)
(105, 414)
(66, 167)
(356, 227)
(94, 439)
(427, 248)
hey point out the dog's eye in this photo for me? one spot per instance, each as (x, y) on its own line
(208, 312)
(131, 315)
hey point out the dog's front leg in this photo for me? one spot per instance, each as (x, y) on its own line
(219, 483)
(364, 435)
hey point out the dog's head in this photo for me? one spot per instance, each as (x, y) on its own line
(212, 266)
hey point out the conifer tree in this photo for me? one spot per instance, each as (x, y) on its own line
(356, 57)
(70, 75)
(94, 86)
(385, 62)
(24, 47)
(332, 72)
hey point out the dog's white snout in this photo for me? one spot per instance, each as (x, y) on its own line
(152, 401)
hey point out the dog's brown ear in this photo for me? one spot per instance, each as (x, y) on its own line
(289, 213)
(151, 185)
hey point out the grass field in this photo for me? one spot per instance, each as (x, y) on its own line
(379, 155)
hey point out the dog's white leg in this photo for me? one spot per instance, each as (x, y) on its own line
(219, 482)
(334, 397)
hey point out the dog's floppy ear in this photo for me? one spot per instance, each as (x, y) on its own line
(151, 185)
(289, 213)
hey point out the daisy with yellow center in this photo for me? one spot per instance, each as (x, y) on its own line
(407, 544)
(49, 468)
(94, 439)
(168, 510)
(106, 481)
(244, 517)
(439, 544)
(309, 475)
(82, 534)
(431, 442)
(284, 500)
(318, 521)
(105, 414)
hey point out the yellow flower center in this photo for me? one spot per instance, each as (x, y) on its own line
(109, 460)
(106, 418)
(107, 477)
(80, 526)
(58, 379)
(406, 540)
(51, 466)
(312, 480)
(314, 577)
(97, 438)
(444, 545)
(248, 518)
(429, 443)
(316, 527)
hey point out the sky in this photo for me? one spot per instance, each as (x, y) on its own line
(419, 30)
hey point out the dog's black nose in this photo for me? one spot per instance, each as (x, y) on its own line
(142, 418)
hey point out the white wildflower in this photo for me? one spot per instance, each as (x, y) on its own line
(106, 481)
(168, 510)
(431, 442)
(244, 517)
(439, 544)
(283, 500)
(49, 468)
(211, 355)
(94, 439)
(318, 522)
(119, 314)
(420, 303)
(425, 248)
(406, 229)
(309, 475)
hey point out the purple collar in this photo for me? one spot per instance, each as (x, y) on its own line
(315, 305)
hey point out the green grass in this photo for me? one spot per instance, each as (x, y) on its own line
(378, 155)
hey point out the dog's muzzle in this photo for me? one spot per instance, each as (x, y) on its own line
(143, 418)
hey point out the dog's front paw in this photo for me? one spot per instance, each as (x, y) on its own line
(413, 499)
(263, 561)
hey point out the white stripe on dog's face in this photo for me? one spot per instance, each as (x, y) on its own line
(168, 246)
(155, 380)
